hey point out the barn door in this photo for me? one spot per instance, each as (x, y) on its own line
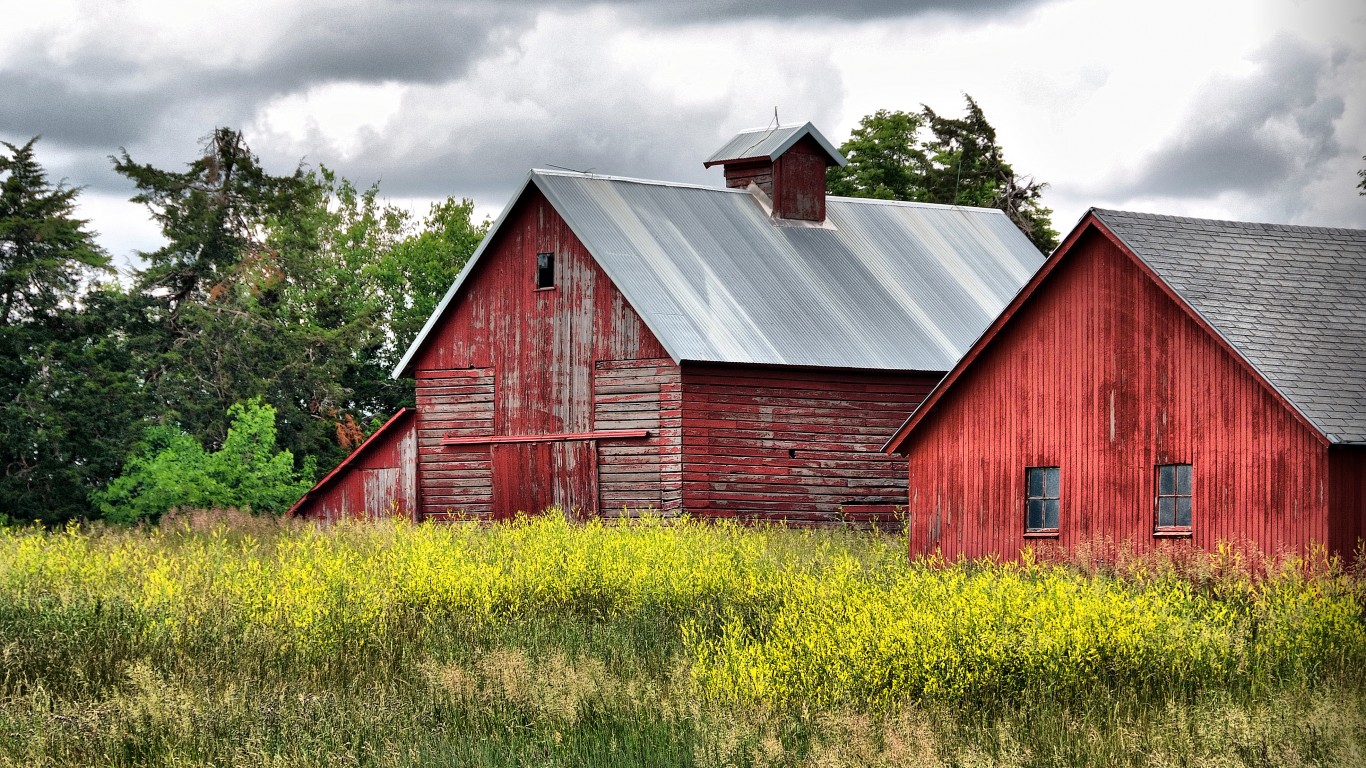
(530, 477)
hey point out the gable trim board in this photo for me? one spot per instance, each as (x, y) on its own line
(1092, 221)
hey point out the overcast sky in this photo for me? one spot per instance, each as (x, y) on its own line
(1248, 109)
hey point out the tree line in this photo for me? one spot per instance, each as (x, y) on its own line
(253, 349)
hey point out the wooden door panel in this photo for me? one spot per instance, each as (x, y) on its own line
(530, 477)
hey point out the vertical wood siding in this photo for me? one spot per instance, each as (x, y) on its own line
(536, 355)
(799, 182)
(378, 481)
(792, 444)
(638, 474)
(1101, 374)
(1347, 498)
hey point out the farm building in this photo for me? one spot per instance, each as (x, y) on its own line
(1159, 378)
(618, 344)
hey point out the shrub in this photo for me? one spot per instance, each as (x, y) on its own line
(171, 469)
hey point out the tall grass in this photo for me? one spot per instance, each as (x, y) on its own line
(241, 641)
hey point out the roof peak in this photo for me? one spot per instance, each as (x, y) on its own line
(769, 143)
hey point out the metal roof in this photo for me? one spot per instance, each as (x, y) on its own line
(770, 143)
(1291, 300)
(884, 285)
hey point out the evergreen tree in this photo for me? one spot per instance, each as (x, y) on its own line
(69, 390)
(927, 157)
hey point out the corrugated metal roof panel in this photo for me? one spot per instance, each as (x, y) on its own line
(1291, 300)
(770, 143)
(888, 286)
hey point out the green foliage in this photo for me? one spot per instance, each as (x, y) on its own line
(1362, 174)
(171, 469)
(296, 289)
(926, 157)
(66, 391)
(45, 251)
(238, 640)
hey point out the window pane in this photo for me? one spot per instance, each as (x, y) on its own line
(1183, 511)
(1034, 518)
(1053, 479)
(1035, 482)
(1166, 511)
(1050, 517)
(1166, 479)
(1183, 479)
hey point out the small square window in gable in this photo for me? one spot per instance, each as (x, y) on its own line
(1042, 500)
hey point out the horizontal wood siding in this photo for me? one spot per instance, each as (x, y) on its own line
(636, 475)
(455, 480)
(795, 445)
(539, 346)
(379, 481)
(1102, 374)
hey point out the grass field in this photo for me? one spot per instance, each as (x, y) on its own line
(228, 640)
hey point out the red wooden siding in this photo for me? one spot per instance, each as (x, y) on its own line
(377, 480)
(1102, 374)
(530, 359)
(454, 403)
(638, 474)
(1347, 498)
(792, 444)
(799, 182)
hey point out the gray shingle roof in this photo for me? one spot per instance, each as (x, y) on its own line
(1291, 300)
(891, 286)
(769, 143)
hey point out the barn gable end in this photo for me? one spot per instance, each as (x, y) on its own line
(1101, 369)
(513, 383)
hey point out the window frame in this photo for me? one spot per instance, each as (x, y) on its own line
(1174, 530)
(545, 269)
(1044, 532)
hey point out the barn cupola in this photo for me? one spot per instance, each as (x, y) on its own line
(787, 163)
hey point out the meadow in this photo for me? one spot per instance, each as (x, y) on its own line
(223, 639)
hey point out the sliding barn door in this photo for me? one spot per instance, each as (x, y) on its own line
(531, 477)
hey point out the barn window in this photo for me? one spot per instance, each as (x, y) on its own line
(1041, 499)
(1174, 498)
(545, 270)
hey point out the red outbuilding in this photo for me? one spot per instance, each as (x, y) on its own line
(1160, 378)
(619, 344)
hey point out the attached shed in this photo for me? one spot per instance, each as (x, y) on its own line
(621, 344)
(1160, 379)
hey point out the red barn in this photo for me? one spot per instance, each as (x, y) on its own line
(619, 344)
(1158, 378)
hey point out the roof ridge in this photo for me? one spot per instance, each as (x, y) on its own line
(1231, 222)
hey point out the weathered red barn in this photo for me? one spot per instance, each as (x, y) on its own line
(619, 344)
(1159, 378)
